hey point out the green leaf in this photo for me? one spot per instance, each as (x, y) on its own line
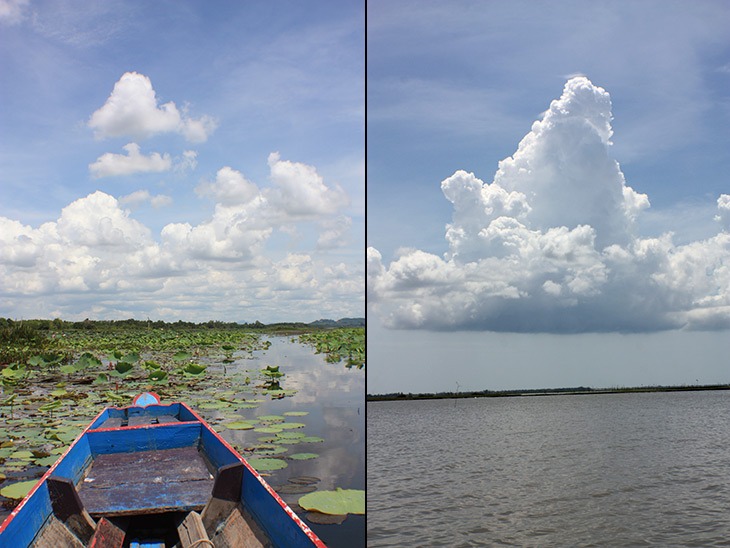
(239, 425)
(101, 378)
(122, 369)
(296, 413)
(18, 490)
(59, 392)
(311, 439)
(268, 430)
(67, 369)
(271, 418)
(194, 369)
(47, 461)
(158, 376)
(303, 456)
(132, 357)
(182, 356)
(291, 435)
(337, 502)
(265, 464)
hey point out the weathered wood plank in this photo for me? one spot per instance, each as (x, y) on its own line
(192, 531)
(155, 481)
(139, 420)
(112, 422)
(107, 535)
(68, 508)
(56, 535)
(240, 531)
(182, 463)
(225, 496)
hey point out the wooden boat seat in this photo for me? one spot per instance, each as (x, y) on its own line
(138, 420)
(144, 482)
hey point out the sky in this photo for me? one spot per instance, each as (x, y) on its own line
(548, 198)
(182, 160)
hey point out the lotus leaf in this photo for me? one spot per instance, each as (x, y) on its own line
(67, 369)
(272, 418)
(311, 439)
(132, 357)
(158, 376)
(122, 369)
(337, 502)
(296, 413)
(182, 356)
(46, 461)
(18, 490)
(303, 456)
(194, 369)
(264, 464)
(291, 435)
(59, 392)
(239, 425)
(101, 378)
(291, 425)
(268, 430)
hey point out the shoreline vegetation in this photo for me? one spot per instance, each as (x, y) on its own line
(574, 391)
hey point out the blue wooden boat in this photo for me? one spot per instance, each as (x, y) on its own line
(153, 476)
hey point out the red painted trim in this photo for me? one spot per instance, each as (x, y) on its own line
(176, 423)
(303, 526)
(49, 472)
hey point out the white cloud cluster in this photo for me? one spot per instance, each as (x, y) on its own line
(132, 110)
(550, 245)
(109, 164)
(97, 251)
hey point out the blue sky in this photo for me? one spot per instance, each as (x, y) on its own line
(182, 159)
(547, 194)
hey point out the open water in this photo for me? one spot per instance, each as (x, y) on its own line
(614, 470)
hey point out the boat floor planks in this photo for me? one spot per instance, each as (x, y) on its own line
(161, 481)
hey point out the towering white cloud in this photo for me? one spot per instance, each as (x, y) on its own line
(132, 110)
(550, 244)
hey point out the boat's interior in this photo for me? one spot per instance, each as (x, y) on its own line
(136, 495)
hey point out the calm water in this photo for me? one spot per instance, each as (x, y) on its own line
(334, 397)
(601, 470)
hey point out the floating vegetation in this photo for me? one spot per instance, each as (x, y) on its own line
(265, 464)
(340, 344)
(48, 397)
(337, 502)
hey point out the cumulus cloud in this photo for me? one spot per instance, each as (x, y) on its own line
(97, 258)
(723, 216)
(108, 164)
(550, 244)
(132, 110)
(301, 190)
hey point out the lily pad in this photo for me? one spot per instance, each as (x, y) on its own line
(303, 456)
(337, 502)
(264, 464)
(239, 425)
(311, 439)
(18, 490)
(268, 430)
(290, 435)
(288, 425)
(46, 461)
(271, 418)
(293, 489)
(296, 413)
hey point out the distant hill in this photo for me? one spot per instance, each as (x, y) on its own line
(343, 322)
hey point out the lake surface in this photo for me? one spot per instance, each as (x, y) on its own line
(649, 469)
(333, 397)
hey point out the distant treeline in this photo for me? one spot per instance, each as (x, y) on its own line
(103, 325)
(541, 392)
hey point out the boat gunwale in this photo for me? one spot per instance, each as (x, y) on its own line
(199, 420)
